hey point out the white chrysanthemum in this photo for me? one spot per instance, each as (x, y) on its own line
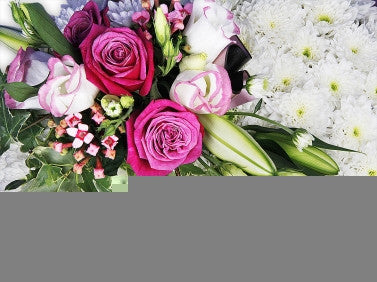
(357, 45)
(12, 166)
(274, 19)
(287, 72)
(355, 123)
(228, 4)
(339, 79)
(306, 108)
(371, 86)
(328, 15)
(308, 45)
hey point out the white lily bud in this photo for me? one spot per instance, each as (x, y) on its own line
(231, 143)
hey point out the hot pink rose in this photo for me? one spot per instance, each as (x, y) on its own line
(163, 137)
(118, 60)
(82, 21)
(203, 92)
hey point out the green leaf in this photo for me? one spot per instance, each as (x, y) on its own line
(10, 125)
(191, 169)
(155, 93)
(103, 185)
(13, 38)
(14, 185)
(20, 91)
(51, 179)
(46, 28)
(50, 157)
(28, 137)
(258, 106)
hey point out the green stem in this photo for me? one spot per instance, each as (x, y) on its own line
(35, 123)
(203, 163)
(285, 128)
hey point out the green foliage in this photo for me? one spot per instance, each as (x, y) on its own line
(20, 91)
(10, 124)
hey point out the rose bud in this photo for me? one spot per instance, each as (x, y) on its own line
(30, 67)
(67, 90)
(81, 23)
(203, 92)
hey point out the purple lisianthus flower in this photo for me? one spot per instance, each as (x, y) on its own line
(82, 21)
(30, 67)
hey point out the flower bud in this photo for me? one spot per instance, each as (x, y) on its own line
(13, 39)
(162, 27)
(311, 157)
(112, 106)
(290, 172)
(231, 170)
(302, 139)
(193, 62)
(127, 102)
(231, 143)
(168, 50)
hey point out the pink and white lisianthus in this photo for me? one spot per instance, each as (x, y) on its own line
(203, 92)
(67, 90)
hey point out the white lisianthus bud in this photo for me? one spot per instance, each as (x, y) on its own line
(302, 139)
(231, 170)
(112, 106)
(193, 62)
(162, 27)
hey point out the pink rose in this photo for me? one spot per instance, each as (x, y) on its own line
(163, 137)
(203, 92)
(29, 66)
(82, 21)
(118, 60)
(67, 91)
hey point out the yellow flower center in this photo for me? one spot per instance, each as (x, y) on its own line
(286, 82)
(372, 172)
(325, 18)
(272, 25)
(307, 52)
(334, 86)
(356, 132)
(300, 112)
(355, 50)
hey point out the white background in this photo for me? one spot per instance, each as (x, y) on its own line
(6, 56)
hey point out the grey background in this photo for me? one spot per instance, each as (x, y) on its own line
(195, 229)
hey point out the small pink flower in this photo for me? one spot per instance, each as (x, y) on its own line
(99, 172)
(98, 118)
(79, 155)
(110, 154)
(60, 131)
(77, 168)
(93, 150)
(81, 135)
(110, 142)
(60, 147)
(73, 120)
(141, 18)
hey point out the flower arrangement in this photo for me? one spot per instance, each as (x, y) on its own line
(148, 88)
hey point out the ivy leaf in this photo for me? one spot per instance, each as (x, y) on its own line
(28, 137)
(51, 179)
(10, 124)
(90, 184)
(49, 156)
